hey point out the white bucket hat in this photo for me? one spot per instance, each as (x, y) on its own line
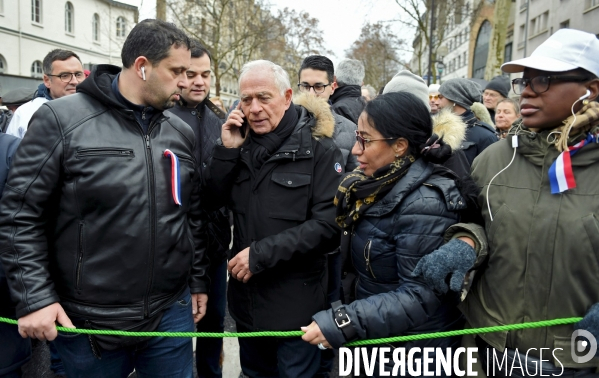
(565, 50)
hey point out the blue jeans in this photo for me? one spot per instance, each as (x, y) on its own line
(156, 357)
(208, 350)
(270, 357)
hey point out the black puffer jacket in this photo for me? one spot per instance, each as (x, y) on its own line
(408, 223)
(87, 218)
(348, 102)
(285, 214)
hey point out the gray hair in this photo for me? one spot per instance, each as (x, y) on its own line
(279, 74)
(371, 91)
(349, 72)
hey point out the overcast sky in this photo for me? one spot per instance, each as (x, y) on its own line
(340, 20)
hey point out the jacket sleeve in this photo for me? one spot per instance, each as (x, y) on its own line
(219, 179)
(33, 182)
(197, 219)
(413, 302)
(319, 233)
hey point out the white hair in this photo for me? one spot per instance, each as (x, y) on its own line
(349, 72)
(279, 74)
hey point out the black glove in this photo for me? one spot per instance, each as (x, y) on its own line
(435, 150)
(590, 323)
(455, 258)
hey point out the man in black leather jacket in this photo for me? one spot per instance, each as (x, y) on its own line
(100, 221)
(199, 112)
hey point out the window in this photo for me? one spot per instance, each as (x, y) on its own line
(564, 25)
(1, 6)
(459, 61)
(121, 26)
(481, 50)
(538, 24)
(96, 27)
(507, 55)
(36, 11)
(591, 3)
(2, 64)
(36, 69)
(68, 18)
(465, 60)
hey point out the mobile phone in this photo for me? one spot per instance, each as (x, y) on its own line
(244, 127)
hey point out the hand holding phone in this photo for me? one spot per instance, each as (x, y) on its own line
(235, 129)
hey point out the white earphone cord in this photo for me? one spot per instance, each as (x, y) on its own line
(515, 145)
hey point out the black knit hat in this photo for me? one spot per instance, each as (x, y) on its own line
(500, 84)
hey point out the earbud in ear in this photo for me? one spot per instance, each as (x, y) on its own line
(586, 95)
(143, 73)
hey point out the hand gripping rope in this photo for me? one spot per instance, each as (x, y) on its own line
(422, 336)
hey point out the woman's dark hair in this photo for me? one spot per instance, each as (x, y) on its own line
(400, 115)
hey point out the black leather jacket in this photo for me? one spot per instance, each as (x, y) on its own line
(88, 219)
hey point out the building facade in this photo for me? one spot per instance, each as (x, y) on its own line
(29, 29)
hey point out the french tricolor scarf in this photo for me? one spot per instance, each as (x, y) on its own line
(586, 121)
(561, 176)
(175, 181)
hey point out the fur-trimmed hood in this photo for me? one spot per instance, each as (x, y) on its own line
(449, 126)
(482, 113)
(321, 110)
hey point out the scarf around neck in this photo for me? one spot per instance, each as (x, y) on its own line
(262, 146)
(358, 192)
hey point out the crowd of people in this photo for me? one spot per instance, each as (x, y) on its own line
(353, 215)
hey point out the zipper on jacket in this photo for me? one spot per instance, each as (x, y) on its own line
(152, 221)
(79, 257)
(105, 151)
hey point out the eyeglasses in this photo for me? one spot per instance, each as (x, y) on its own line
(68, 76)
(367, 257)
(362, 141)
(318, 88)
(540, 84)
(433, 97)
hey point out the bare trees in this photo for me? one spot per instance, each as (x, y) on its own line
(378, 48)
(232, 30)
(237, 31)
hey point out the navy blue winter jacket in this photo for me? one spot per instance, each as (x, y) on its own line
(408, 223)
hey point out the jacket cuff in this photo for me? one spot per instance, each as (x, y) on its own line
(199, 287)
(474, 232)
(329, 329)
(224, 153)
(255, 255)
(28, 309)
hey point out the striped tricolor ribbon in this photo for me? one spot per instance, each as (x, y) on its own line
(175, 181)
(561, 176)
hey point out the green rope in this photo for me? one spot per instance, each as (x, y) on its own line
(422, 336)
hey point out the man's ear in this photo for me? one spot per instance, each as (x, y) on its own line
(288, 97)
(47, 81)
(140, 62)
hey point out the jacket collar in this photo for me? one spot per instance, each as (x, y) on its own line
(349, 91)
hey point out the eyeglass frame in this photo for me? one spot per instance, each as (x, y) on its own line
(528, 82)
(313, 87)
(362, 141)
(71, 74)
(433, 97)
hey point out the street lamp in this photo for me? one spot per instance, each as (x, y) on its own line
(440, 68)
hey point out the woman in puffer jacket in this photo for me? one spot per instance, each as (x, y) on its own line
(393, 211)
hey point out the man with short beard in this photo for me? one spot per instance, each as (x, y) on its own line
(62, 73)
(100, 220)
